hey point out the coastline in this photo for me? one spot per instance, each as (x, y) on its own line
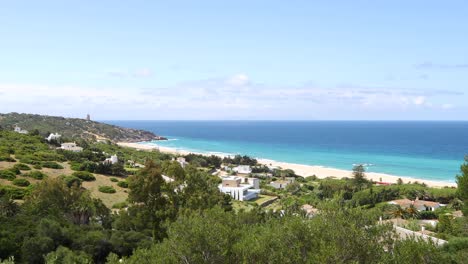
(301, 169)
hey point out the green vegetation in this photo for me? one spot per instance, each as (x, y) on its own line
(84, 175)
(122, 184)
(21, 182)
(64, 218)
(22, 166)
(7, 175)
(107, 189)
(38, 175)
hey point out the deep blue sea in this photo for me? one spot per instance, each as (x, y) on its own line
(431, 150)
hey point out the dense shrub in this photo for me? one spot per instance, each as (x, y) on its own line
(22, 166)
(52, 165)
(7, 158)
(114, 179)
(38, 175)
(123, 184)
(84, 175)
(14, 170)
(427, 215)
(72, 180)
(21, 182)
(7, 174)
(120, 205)
(13, 192)
(107, 189)
(37, 166)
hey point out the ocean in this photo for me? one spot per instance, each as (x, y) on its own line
(431, 150)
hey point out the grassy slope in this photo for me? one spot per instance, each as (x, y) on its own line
(108, 199)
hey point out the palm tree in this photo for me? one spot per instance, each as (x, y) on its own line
(398, 213)
(412, 211)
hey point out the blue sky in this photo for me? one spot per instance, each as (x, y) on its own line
(344, 60)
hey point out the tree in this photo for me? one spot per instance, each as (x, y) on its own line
(359, 177)
(151, 198)
(399, 181)
(412, 212)
(462, 183)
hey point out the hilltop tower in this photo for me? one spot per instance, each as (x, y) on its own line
(88, 117)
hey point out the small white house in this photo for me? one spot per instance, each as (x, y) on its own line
(21, 131)
(280, 184)
(242, 169)
(242, 189)
(53, 136)
(71, 146)
(420, 205)
(112, 160)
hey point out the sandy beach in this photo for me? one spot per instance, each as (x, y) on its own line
(304, 170)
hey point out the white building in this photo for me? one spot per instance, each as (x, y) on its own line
(182, 162)
(71, 146)
(53, 136)
(242, 169)
(112, 160)
(21, 131)
(242, 189)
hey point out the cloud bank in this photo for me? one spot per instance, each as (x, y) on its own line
(231, 97)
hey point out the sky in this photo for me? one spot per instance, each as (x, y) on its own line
(235, 60)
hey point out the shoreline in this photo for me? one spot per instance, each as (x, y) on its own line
(302, 169)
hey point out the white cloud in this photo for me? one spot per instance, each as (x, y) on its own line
(240, 79)
(144, 72)
(419, 100)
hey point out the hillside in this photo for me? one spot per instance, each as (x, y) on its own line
(75, 127)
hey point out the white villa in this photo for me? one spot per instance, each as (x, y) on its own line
(420, 205)
(71, 146)
(242, 169)
(21, 131)
(242, 189)
(53, 136)
(112, 160)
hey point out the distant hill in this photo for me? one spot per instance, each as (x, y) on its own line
(74, 127)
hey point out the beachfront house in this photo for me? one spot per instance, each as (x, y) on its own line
(281, 184)
(420, 205)
(242, 169)
(242, 189)
(53, 136)
(71, 146)
(19, 130)
(112, 160)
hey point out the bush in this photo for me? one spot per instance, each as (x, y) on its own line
(7, 174)
(120, 205)
(72, 180)
(123, 184)
(51, 165)
(21, 182)
(107, 189)
(7, 158)
(13, 192)
(16, 171)
(37, 166)
(22, 166)
(114, 179)
(84, 175)
(427, 215)
(38, 175)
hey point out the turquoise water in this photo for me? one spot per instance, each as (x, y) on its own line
(426, 150)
